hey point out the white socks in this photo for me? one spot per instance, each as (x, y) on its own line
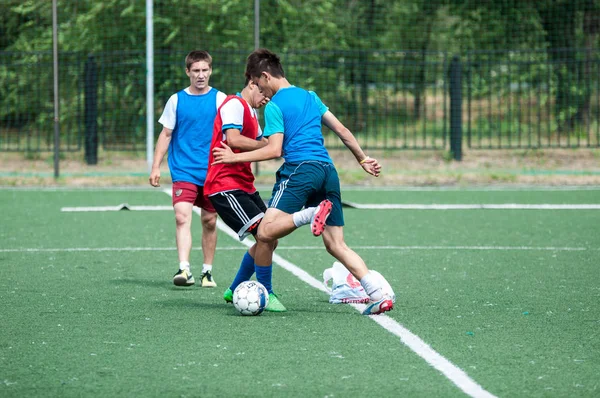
(372, 287)
(303, 217)
(185, 265)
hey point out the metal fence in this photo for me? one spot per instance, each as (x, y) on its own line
(390, 99)
(410, 74)
(532, 99)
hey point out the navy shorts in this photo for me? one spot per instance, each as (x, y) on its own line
(306, 184)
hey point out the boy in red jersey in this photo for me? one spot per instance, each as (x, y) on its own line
(230, 187)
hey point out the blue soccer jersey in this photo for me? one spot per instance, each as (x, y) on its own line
(297, 114)
(190, 142)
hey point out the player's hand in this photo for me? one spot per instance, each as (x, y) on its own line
(371, 166)
(155, 177)
(223, 154)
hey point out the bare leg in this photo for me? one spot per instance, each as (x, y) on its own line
(209, 235)
(333, 237)
(183, 230)
(275, 224)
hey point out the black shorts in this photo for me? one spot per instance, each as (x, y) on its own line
(240, 210)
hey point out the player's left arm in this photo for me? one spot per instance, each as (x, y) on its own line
(370, 165)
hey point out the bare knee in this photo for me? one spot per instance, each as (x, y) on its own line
(182, 218)
(333, 238)
(335, 248)
(209, 221)
(263, 235)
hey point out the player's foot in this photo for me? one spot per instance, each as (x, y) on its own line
(207, 279)
(379, 307)
(183, 278)
(317, 223)
(274, 304)
(228, 296)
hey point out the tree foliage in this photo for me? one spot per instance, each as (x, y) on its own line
(343, 48)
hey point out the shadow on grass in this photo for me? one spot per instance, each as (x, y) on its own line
(166, 284)
(198, 303)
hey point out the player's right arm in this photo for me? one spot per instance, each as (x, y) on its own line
(236, 140)
(168, 120)
(272, 150)
(162, 146)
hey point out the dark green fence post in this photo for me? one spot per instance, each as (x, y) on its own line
(456, 109)
(91, 110)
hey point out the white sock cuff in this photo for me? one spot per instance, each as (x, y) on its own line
(303, 217)
(184, 265)
(372, 286)
(206, 267)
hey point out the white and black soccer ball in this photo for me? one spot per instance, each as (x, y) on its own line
(250, 298)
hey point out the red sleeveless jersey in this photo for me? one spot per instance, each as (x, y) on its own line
(227, 177)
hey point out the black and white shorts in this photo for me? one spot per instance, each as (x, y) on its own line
(240, 210)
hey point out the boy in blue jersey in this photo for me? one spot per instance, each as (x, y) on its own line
(293, 120)
(187, 122)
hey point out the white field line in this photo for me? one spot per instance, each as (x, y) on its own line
(358, 188)
(122, 206)
(481, 188)
(305, 248)
(412, 341)
(505, 206)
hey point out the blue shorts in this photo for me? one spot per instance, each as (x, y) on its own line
(306, 184)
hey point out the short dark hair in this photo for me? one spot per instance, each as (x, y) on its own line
(263, 60)
(197, 56)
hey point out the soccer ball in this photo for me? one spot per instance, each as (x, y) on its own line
(250, 298)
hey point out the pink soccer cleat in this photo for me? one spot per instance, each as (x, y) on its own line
(317, 223)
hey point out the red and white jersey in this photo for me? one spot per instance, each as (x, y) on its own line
(234, 113)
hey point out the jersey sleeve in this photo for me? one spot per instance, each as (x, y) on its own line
(220, 98)
(320, 104)
(232, 115)
(169, 115)
(273, 120)
(259, 133)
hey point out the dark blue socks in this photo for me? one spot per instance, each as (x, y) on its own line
(263, 275)
(245, 271)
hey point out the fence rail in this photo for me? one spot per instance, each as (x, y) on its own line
(391, 100)
(533, 99)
